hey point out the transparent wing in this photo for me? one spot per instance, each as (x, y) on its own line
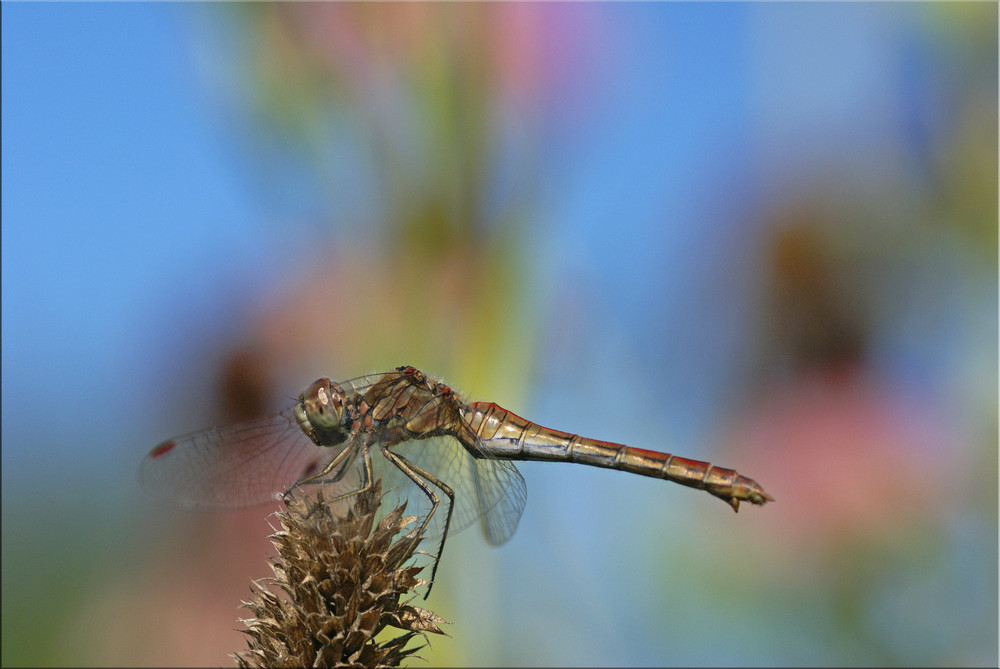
(484, 488)
(235, 466)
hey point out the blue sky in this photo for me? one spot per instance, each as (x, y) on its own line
(121, 205)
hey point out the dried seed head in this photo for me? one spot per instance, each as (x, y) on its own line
(344, 581)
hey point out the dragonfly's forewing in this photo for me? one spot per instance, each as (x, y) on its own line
(255, 462)
(235, 466)
(484, 488)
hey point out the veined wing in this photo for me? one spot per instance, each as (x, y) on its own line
(484, 488)
(235, 466)
(361, 384)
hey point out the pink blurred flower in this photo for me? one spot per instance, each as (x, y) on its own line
(846, 457)
(530, 51)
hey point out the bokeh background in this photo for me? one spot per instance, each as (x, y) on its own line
(763, 235)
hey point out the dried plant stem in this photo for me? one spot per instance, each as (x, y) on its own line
(345, 584)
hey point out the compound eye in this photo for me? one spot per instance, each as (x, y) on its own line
(322, 404)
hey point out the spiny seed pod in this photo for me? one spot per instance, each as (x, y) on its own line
(345, 584)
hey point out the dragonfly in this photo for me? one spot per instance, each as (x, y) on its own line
(417, 434)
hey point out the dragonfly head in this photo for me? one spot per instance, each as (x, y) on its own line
(320, 411)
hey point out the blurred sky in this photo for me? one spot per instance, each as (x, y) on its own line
(759, 234)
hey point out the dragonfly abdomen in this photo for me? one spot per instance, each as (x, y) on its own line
(506, 435)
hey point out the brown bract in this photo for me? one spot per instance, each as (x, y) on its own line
(345, 585)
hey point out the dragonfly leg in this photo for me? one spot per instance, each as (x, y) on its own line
(366, 483)
(421, 477)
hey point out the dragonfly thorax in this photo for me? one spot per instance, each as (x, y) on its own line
(320, 412)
